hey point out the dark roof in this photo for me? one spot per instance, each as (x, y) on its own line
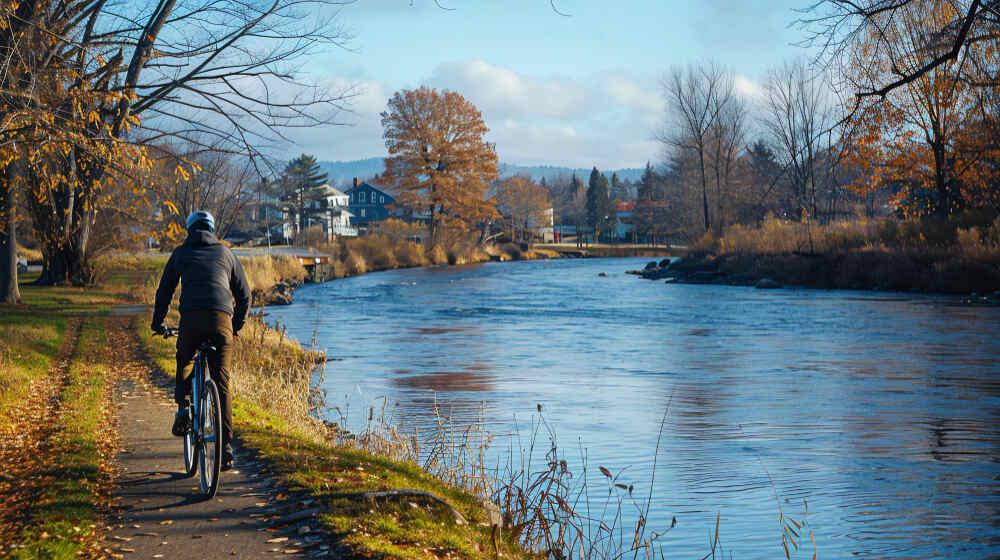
(372, 187)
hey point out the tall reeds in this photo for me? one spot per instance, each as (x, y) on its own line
(777, 236)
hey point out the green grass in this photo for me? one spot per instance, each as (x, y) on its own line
(64, 517)
(67, 471)
(28, 343)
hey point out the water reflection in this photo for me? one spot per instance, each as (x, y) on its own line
(874, 417)
(445, 381)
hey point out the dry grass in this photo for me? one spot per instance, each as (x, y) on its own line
(274, 374)
(265, 271)
(776, 236)
(545, 507)
(926, 256)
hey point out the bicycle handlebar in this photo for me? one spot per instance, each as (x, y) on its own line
(169, 332)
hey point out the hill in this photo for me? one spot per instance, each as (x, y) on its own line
(342, 172)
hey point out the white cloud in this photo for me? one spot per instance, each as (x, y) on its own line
(500, 92)
(605, 119)
(626, 92)
(748, 87)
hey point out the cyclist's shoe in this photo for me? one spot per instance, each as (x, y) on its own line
(182, 423)
(227, 457)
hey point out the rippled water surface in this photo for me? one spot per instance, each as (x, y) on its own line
(881, 411)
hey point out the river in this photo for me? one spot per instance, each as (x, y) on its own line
(875, 416)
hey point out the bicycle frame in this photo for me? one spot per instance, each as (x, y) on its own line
(197, 388)
(197, 442)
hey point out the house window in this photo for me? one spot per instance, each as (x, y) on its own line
(381, 199)
(362, 212)
(362, 195)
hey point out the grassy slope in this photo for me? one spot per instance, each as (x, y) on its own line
(65, 516)
(69, 477)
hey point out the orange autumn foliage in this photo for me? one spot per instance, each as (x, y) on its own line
(438, 162)
(922, 142)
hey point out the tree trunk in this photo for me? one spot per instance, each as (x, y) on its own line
(66, 259)
(9, 292)
(944, 200)
(433, 228)
(704, 188)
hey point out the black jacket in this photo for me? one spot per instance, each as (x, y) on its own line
(211, 277)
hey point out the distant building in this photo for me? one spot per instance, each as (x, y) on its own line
(625, 226)
(544, 229)
(368, 205)
(329, 211)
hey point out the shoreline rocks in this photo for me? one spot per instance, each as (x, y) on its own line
(278, 294)
(882, 270)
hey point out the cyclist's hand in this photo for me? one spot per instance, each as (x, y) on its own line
(158, 328)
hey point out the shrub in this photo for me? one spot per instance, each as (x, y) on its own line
(437, 255)
(409, 254)
(355, 263)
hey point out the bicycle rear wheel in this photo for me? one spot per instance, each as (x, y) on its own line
(190, 450)
(210, 454)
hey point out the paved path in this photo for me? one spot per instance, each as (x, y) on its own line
(160, 513)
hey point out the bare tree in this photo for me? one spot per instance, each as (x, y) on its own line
(726, 139)
(696, 96)
(799, 114)
(221, 183)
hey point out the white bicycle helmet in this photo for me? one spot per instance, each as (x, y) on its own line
(201, 217)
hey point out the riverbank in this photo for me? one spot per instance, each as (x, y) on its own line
(274, 279)
(856, 256)
(60, 440)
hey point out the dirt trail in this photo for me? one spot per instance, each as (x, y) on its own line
(160, 513)
(26, 443)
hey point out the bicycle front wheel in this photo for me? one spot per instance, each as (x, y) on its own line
(210, 455)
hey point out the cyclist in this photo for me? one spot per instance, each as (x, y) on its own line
(211, 278)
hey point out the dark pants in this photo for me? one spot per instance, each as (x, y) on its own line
(216, 328)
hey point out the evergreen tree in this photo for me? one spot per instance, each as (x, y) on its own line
(619, 190)
(600, 212)
(299, 187)
(647, 210)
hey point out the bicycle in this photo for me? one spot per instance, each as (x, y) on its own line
(203, 442)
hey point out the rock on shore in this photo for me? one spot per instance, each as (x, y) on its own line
(278, 294)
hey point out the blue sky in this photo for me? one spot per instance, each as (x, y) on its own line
(579, 91)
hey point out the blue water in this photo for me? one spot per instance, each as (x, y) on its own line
(875, 416)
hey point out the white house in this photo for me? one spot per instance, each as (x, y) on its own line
(543, 229)
(328, 210)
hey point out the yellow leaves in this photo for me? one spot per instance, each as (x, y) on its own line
(180, 171)
(172, 207)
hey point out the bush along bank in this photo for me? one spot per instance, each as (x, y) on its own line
(858, 257)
